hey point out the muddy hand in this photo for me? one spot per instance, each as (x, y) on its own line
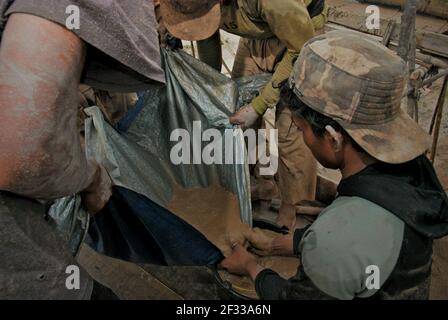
(260, 242)
(99, 191)
(245, 117)
(239, 262)
(279, 246)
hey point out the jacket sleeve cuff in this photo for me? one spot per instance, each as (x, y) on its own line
(259, 105)
(298, 235)
(270, 286)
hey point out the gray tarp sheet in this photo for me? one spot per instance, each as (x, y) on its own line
(139, 159)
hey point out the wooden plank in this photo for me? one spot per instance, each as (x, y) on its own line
(348, 8)
(426, 59)
(353, 16)
(428, 34)
(127, 280)
(432, 42)
(438, 8)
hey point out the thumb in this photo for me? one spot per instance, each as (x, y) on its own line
(260, 253)
(235, 119)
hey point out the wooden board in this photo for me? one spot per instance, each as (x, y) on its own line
(127, 280)
(429, 34)
(432, 42)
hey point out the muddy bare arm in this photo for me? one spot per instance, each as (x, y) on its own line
(40, 69)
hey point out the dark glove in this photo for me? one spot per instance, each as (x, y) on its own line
(173, 43)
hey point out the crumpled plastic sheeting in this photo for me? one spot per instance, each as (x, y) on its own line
(194, 92)
(71, 219)
(139, 158)
(250, 86)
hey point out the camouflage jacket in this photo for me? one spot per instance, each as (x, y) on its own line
(287, 20)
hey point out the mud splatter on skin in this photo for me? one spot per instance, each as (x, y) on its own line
(8, 93)
(284, 266)
(40, 64)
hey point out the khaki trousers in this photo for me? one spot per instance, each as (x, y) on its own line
(297, 171)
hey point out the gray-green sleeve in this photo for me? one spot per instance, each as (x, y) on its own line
(350, 241)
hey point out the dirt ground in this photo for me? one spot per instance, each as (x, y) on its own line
(439, 285)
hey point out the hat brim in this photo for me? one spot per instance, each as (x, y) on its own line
(396, 141)
(190, 27)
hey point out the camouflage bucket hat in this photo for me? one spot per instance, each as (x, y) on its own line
(359, 83)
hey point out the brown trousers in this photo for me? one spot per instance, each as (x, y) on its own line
(297, 170)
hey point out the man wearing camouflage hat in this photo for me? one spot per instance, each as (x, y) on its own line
(375, 239)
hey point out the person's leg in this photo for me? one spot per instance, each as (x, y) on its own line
(40, 68)
(257, 56)
(244, 65)
(297, 169)
(254, 57)
(33, 259)
(210, 51)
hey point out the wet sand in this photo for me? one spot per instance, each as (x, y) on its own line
(215, 212)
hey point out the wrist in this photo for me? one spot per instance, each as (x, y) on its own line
(259, 105)
(253, 269)
(283, 246)
(288, 247)
(93, 176)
